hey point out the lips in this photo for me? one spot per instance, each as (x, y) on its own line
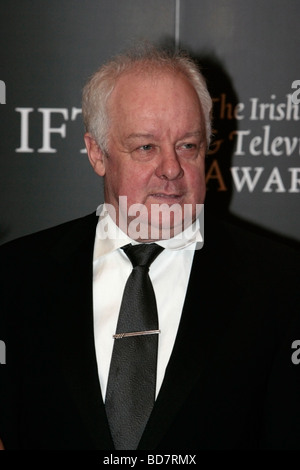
(166, 195)
(166, 198)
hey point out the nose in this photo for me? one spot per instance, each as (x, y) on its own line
(169, 167)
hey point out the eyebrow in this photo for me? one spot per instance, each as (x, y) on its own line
(192, 134)
(137, 136)
(151, 136)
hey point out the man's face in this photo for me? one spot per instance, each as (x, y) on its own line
(156, 151)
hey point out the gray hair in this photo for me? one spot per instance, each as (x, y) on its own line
(142, 59)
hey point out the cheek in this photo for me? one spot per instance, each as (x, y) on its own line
(196, 183)
(131, 181)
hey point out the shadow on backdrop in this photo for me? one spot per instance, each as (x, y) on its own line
(219, 180)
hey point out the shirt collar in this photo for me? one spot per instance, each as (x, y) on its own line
(109, 237)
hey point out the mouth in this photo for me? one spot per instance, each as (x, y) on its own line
(167, 198)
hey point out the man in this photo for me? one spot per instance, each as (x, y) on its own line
(227, 312)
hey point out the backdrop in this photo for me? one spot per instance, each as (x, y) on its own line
(249, 52)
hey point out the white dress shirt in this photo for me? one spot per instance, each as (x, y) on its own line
(169, 274)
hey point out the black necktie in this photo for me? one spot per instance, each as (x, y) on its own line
(131, 384)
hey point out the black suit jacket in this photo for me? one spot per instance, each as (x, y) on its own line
(230, 383)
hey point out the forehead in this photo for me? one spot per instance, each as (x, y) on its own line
(153, 99)
(140, 88)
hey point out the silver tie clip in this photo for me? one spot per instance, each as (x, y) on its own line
(136, 333)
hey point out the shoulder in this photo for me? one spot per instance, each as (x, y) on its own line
(243, 242)
(250, 267)
(47, 240)
(34, 265)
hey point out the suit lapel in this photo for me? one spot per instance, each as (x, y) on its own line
(202, 323)
(74, 314)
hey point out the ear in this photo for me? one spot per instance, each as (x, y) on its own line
(95, 154)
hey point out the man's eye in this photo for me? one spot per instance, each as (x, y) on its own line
(144, 152)
(189, 146)
(146, 147)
